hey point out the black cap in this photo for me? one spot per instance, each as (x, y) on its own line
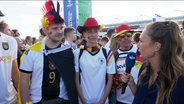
(1, 14)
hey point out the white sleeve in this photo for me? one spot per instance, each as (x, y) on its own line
(76, 60)
(111, 64)
(27, 61)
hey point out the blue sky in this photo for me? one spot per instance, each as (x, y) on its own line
(26, 15)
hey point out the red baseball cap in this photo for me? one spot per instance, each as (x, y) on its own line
(121, 29)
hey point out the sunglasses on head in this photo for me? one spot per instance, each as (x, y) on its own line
(127, 34)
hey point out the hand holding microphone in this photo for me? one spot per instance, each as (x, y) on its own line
(129, 62)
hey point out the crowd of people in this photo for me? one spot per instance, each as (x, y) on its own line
(62, 68)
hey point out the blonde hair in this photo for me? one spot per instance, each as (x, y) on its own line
(3, 25)
(114, 44)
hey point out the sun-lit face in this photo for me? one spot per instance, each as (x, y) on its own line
(73, 35)
(8, 31)
(146, 46)
(29, 41)
(92, 35)
(55, 32)
(124, 40)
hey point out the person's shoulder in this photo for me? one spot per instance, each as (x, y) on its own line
(180, 82)
(107, 49)
(76, 51)
(4, 35)
(66, 42)
(66, 46)
(37, 46)
(178, 92)
(107, 45)
(7, 37)
(181, 79)
(134, 47)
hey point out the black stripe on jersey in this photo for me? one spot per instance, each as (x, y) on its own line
(127, 49)
(65, 63)
(51, 80)
(93, 54)
(25, 71)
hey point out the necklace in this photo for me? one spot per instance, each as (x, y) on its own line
(90, 49)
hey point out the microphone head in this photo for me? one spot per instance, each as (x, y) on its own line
(130, 59)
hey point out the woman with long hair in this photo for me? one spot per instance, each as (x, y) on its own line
(161, 79)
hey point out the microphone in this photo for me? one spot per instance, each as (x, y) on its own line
(129, 62)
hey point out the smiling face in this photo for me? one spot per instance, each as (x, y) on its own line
(8, 31)
(55, 33)
(73, 35)
(124, 40)
(92, 35)
(5, 28)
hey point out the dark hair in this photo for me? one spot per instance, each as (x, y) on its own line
(105, 39)
(15, 33)
(27, 38)
(110, 32)
(1, 14)
(34, 40)
(78, 37)
(136, 37)
(41, 32)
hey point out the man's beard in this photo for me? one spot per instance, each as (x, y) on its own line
(59, 39)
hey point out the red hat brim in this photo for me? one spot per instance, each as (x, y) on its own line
(121, 32)
(81, 29)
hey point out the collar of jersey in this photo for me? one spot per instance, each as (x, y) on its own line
(40, 47)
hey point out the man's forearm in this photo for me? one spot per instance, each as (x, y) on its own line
(15, 74)
(24, 88)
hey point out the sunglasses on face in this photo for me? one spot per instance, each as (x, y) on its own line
(127, 34)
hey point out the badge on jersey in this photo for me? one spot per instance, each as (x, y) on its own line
(101, 60)
(26, 52)
(52, 66)
(5, 45)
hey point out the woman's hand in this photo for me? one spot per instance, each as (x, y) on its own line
(127, 78)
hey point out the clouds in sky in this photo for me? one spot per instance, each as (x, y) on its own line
(126, 11)
(26, 15)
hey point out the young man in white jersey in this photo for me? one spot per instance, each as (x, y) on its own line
(123, 37)
(70, 37)
(9, 73)
(47, 68)
(5, 28)
(94, 67)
